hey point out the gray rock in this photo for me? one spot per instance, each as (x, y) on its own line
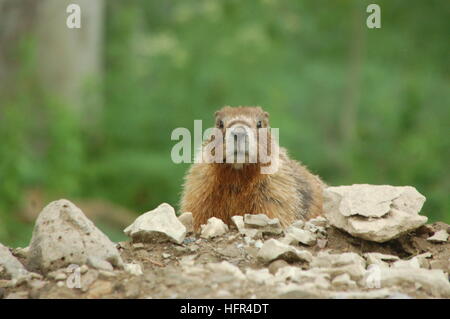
(305, 291)
(380, 259)
(18, 295)
(276, 265)
(99, 264)
(374, 212)
(296, 235)
(14, 268)
(434, 281)
(188, 221)
(410, 263)
(298, 223)
(343, 281)
(260, 276)
(263, 223)
(158, 225)
(226, 268)
(63, 235)
(57, 275)
(313, 228)
(339, 264)
(21, 252)
(214, 227)
(399, 295)
(423, 259)
(133, 269)
(320, 280)
(274, 249)
(441, 236)
(325, 259)
(87, 279)
(371, 294)
(319, 221)
(238, 221)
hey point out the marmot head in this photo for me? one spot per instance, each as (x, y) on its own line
(245, 134)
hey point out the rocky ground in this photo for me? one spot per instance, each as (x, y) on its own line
(254, 258)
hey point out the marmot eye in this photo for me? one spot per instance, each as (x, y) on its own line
(259, 124)
(220, 124)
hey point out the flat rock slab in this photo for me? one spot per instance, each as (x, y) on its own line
(440, 236)
(63, 235)
(274, 249)
(158, 225)
(374, 212)
(263, 223)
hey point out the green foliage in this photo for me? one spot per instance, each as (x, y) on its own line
(355, 105)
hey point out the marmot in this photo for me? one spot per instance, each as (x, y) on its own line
(226, 189)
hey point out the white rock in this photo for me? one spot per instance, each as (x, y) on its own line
(411, 263)
(260, 276)
(14, 268)
(319, 221)
(60, 276)
(433, 280)
(107, 274)
(274, 249)
(133, 269)
(343, 281)
(238, 221)
(63, 235)
(439, 237)
(374, 212)
(188, 221)
(158, 225)
(21, 252)
(304, 291)
(300, 236)
(379, 259)
(422, 259)
(371, 294)
(83, 269)
(289, 273)
(314, 228)
(258, 243)
(325, 259)
(227, 268)
(322, 243)
(263, 223)
(99, 264)
(298, 223)
(214, 227)
(295, 274)
(251, 233)
(249, 240)
(338, 264)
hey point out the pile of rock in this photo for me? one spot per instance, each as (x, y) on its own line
(292, 262)
(374, 212)
(64, 242)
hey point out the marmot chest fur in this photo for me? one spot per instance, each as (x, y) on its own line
(236, 184)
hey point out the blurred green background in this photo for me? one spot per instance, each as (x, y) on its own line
(86, 114)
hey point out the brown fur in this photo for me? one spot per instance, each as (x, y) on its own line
(222, 191)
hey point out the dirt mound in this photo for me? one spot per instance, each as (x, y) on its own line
(228, 266)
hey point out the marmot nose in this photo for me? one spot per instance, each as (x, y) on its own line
(239, 131)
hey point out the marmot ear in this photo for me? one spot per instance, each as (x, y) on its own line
(216, 114)
(266, 115)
